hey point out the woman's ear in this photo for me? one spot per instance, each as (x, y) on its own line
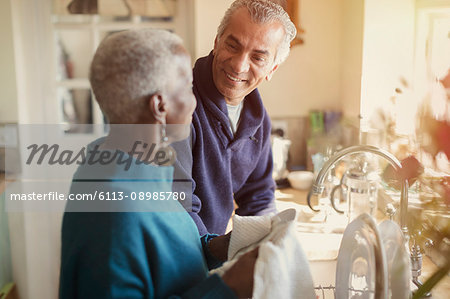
(158, 107)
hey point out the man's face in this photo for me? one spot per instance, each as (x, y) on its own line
(244, 55)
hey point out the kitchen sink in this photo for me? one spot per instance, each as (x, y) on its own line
(321, 249)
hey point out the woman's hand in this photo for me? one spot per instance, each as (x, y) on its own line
(218, 247)
(240, 276)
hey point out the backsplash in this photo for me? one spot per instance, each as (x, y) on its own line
(296, 129)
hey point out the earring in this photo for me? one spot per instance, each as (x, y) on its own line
(170, 155)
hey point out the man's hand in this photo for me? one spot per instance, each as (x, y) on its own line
(218, 247)
(240, 276)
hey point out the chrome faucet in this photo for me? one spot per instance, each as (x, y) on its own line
(317, 187)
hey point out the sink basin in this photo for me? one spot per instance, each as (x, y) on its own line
(321, 249)
(323, 274)
(326, 221)
(320, 240)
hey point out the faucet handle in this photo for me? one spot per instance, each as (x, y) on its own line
(310, 200)
(390, 211)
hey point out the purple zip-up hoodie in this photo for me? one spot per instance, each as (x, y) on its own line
(227, 166)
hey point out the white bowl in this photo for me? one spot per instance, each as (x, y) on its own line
(301, 180)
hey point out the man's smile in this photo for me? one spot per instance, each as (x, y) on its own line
(233, 78)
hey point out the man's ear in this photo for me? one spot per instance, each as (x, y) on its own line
(158, 107)
(215, 45)
(270, 74)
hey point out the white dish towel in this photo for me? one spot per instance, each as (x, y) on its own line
(282, 269)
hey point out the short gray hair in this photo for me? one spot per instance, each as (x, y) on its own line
(129, 66)
(264, 11)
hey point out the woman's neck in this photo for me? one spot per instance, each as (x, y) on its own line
(140, 141)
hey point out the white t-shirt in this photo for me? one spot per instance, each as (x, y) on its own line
(234, 114)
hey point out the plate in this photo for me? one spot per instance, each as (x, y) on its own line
(397, 258)
(380, 256)
(361, 270)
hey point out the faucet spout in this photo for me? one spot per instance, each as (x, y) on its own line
(317, 187)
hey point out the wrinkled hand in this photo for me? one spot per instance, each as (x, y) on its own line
(240, 276)
(218, 247)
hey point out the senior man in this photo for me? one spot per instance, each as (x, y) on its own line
(232, 159)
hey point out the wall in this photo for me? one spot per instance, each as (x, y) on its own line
(207, 17)
(309, 78)
(351, 59)
(31, 39)
(8, 99)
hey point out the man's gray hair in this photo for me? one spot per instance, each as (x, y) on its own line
(264, 11)
(129, 66)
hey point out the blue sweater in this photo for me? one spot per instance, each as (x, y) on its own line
(227, 167)
(134, 255)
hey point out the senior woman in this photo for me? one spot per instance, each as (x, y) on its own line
(142, 81)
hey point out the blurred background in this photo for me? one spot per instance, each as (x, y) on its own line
(362, 71)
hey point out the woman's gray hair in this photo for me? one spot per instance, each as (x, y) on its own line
(130, 65)
(264, 11)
